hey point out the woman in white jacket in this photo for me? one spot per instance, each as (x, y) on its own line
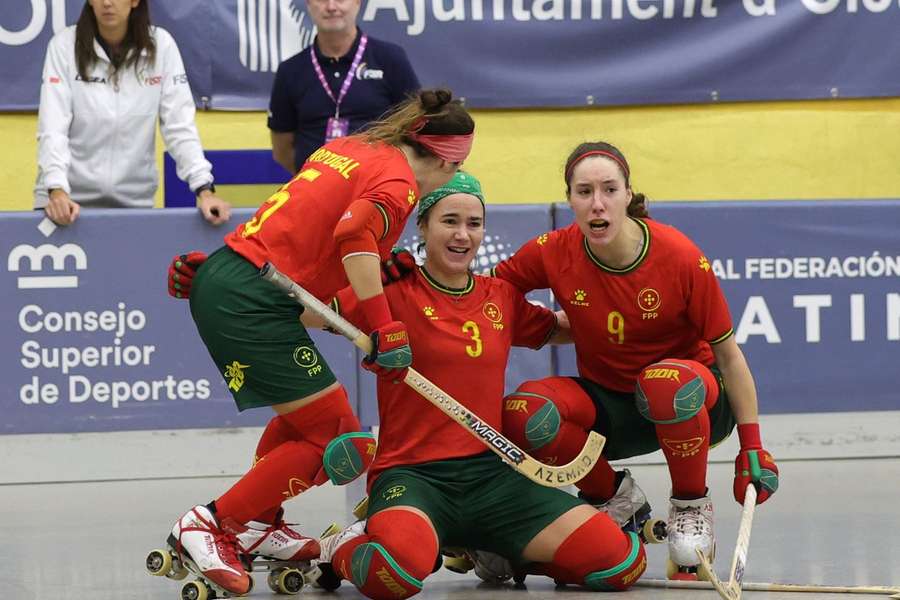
(105, 82)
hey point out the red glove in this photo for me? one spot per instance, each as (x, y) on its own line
(400, 264)
(754, 465)
(391, 354)
(181, 273)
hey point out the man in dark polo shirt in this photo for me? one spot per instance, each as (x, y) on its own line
(344, 80)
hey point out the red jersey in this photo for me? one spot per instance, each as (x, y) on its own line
(460, 340)
(294, 228)
(667, 304)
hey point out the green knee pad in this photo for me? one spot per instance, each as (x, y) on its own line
(348, 456)
(375, 573)
(623, 574)
(687, 402)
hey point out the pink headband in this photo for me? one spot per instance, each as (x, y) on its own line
(605, 153)
(452, 148)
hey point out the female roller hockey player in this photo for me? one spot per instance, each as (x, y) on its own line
(327, 227)
(432, 484)
(655, 352)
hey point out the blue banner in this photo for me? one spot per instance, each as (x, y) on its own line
(92, 342)
(521, 53)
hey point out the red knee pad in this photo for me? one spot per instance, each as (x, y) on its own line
(389, 563)
(544, 414)
(601, 556)
(674, 390)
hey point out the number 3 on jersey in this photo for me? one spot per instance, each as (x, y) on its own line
(474, 350)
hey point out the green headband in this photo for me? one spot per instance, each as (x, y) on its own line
(462, 183)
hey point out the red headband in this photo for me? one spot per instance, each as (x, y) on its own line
(605, 153)
(452, 148)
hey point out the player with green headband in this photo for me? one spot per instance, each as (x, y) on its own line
(432, 484)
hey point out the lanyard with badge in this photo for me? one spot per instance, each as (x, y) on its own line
(337, 126)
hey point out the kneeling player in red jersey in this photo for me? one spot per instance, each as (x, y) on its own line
(432, 484)
(655, 352)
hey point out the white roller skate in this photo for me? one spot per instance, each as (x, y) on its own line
(629, 508)
(323, 574)
(281, 550)
(690, 528)
(200, 545)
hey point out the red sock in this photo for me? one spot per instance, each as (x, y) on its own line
(686, 446)
(277, 432)
(291, 467)
(286, 471)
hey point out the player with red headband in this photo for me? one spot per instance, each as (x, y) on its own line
(328, 227)
(432, 484)
(655, 352)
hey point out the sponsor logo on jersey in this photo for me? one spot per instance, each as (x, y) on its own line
(704, 264)
(493, 314)
(662, 373)
(684, 448)
(579, 298)
(234, 373)
(411, 196)
(649, 301)
(342, 164)
(363, 72)
(90, 79)
(395, 491)
(154, 80)
(542, 239)
(428, 311)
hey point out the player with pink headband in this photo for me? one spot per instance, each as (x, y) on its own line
(658, 364)
(328, 227)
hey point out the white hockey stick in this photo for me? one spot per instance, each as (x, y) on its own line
(518, 459)
(773, 587)
(732, 589)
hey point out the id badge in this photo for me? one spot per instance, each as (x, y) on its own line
(336, 127)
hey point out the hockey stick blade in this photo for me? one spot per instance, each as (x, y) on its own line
(732, 589)
(518, 459)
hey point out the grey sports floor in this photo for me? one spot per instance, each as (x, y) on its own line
(832, 522)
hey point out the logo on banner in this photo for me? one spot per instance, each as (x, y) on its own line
(269, 31)
(37, 22)
(33, 257)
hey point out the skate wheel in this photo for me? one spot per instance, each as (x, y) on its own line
(361, 509)
(458, 564)
(195, 590)
(654, 531)
(159, 562)
(519, 578)
(286, 581)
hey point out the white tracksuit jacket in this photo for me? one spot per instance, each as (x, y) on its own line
(96, 139)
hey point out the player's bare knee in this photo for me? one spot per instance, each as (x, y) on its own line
(672, 391)
(536, 413)
(347, 456)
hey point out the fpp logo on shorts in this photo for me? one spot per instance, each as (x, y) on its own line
(307, 358)
(393, 492)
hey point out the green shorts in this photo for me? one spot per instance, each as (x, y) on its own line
(475, 502)
(253, 333)
(629, 434)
